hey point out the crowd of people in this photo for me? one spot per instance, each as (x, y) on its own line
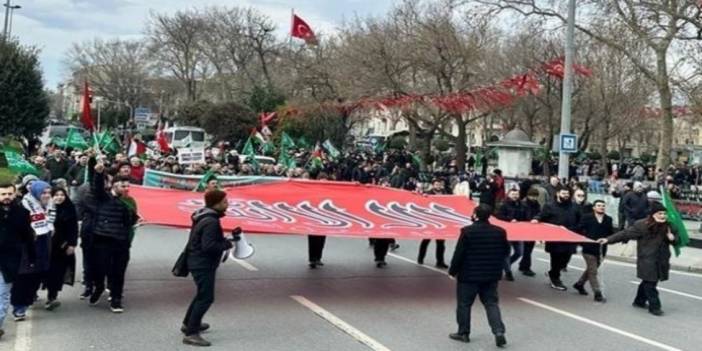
(40, 227)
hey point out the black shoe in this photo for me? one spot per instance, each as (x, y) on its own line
(529, 273)
(509, 277)
(394, 247)
(195, 340)
(599, 297)
(320, 263)
(639, 304)
(580, 288)
(441, 265)
(86, 293)
(460, 337)
(116, 306)
(564, 270)
(656, 312)
(420, 262)
(380, 264)
(203, 327)
(313, 265)
(558, 285)
(19, 316)
(500, 340)
(51, 305)
(95, 297)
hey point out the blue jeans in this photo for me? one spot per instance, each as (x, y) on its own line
(518, 247)
(4, 298)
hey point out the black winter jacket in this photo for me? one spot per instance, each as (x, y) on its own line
(480, 253)
(206, 243)
(15, 234)
(565, 214)
(513, 210)
(592, 229)
(110, 218)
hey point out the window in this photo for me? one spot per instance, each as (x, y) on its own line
(181, 134)
(198, 136)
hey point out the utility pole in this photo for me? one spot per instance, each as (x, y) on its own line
(563, 157)
(7, 22)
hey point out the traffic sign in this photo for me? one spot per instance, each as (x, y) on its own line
(569, 143)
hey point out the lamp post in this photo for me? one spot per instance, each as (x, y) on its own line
(563, 159)
(12, 12)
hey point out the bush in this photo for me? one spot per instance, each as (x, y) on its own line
(613, 155)
(227, 121)
(397, 142)
(442, 145)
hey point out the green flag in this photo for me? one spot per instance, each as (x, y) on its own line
(286, 141)
(203, 181)
(675, 221)
(331, 149)
(108, 143)
(268, 148)
(75, 140)
(17, 163)
(250, 152)
(417, 160)
(302, 142)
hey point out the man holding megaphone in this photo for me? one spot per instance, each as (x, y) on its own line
(206, 245)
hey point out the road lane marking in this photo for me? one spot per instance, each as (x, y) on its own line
(23, 339)
(246, 265)
(340, 324)
(632, 265)
(673, 291)
(402, 258)
(569, 266)
(600, 325)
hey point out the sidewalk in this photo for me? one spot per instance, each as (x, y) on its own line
(690, 259)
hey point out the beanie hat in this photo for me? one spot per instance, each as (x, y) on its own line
(656, 207)
(28, 178)
(214, 197)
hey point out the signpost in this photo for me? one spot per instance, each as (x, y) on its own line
(568, 143)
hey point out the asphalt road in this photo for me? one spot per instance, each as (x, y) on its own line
(271, 305)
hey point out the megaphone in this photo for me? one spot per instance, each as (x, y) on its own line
(242, 249)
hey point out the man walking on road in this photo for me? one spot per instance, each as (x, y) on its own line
(564, 213)
(477, 264)
(206, 245)
(595, 225)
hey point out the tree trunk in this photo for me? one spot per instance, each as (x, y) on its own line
(412, 140)
(666, 101)
(461, 148)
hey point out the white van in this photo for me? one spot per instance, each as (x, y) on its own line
(192, 137)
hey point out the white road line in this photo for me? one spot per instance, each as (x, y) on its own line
(340, 324)
(632, 265)
(402, 258)
(600, 325)
(569, 266)
(23, 340)
(673, 292)
(246, 265)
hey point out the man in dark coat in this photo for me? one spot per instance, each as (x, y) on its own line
(111, 225)
(477, 265)
(594, 225)
(654, 237)
(15, 232)
(533, 208)
(206, 244)
(564, 213)
(513, 210)
(635, 204)
(488, 192)
(58, 165)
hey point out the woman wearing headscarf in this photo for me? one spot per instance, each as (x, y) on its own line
(654, 237)
(35, 260)
(63, 243)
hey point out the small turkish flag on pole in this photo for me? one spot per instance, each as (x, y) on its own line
(300, 29)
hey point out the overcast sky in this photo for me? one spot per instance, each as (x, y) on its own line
(53, 25)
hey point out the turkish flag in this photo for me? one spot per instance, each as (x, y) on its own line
(86, 117)
(161, 139)
(300, 29)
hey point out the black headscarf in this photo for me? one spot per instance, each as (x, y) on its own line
(66, 224)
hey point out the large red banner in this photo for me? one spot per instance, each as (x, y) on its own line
(335, 209)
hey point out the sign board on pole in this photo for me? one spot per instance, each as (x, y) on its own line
(188, 156)
(142, 114)
(569, 143)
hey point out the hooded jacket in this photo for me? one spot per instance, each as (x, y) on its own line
(206, 243)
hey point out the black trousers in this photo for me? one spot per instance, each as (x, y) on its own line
(205, 283)
(525, 262)
(315, 246)
(110, 263)
(380, 248)
(24, 289)
(487, 291)
(440, 250)
(88, 262)
(648, 292)
(558, 262)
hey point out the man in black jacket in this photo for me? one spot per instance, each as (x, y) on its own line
(206, 245)
(15, 232)
(595, 225)
(513, 210)
(477, 265)
(564, 213)
(111, 224)
(635, 204)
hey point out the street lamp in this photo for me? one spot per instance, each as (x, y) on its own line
(12, 12)
(8, 8)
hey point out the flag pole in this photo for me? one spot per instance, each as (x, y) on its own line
(292, 22)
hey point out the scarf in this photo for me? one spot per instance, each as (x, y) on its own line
(42, 219)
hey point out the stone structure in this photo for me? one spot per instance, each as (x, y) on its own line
(514, 153)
